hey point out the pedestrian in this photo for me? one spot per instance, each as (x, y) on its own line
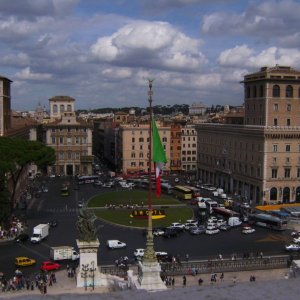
(220, 256)
(187, 257)
(45, 288)
(32, 285)
(184, 281)
(234, 280)
(261, 255)
(173, 281)
(200, 281)
(222, 276)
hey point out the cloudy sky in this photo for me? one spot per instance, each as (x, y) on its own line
(101, 52)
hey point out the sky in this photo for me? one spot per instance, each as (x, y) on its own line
(103, 52)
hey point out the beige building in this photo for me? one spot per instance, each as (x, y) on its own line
(259, 160)
(70, 137)
(5, 105)
(132, 146)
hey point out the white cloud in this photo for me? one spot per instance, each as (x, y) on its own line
(243, 56)
(119, 73)
(17, 60)
(151, 44)
(27, 74)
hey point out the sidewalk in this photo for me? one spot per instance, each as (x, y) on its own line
(66, 285)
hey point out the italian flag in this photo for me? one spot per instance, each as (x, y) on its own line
(158, 156)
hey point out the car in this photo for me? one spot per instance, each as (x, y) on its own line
(296, 240)
(98, 182)
(191, 221)
(158, 232)
(245, 205)
(177, 225)
(198, 230)
(52, 176)
(176, 180)
(295, 234)
(212, 231)
(80, 204)
(49, 266)
(211, 227)
(248, 230)
(221, 222)
(292, 247)
(53, 223)
(115, 244)
(45, 189)
(170, 232)
(22, 237)
(225, 227)
(24, 261)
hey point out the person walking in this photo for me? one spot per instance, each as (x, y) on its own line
(222, 276)
(187, 257)
(184, 281)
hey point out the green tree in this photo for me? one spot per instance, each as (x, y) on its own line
(15, 155)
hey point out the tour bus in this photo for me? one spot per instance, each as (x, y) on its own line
(225, 213)
(268, 221)
(195, 191)
(64, 191)
(87, 179)
(182, 192)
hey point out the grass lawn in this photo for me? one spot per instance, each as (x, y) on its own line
(122, 217)
(130, 197)
(138, 197)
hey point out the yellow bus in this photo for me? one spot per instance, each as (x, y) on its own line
(182, 192)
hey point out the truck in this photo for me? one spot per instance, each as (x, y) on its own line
(40, 232)
(63, 253)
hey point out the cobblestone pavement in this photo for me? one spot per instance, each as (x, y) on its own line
(269, 284)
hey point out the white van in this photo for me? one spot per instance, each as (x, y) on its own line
(115, 244)
(234, 221)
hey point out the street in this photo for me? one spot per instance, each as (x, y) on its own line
(52, 206)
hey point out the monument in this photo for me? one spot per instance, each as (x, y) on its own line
(88, 273)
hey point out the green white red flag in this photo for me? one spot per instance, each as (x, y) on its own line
(158, 156)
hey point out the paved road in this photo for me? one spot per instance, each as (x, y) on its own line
(52, 206)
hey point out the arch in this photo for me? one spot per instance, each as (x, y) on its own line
(286, 195)
(55, 108)
(298, 194)
(62, 108)
(289, 91)
(273, 194)
(276, 91)
(69, 107)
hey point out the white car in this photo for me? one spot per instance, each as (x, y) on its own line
(247, 230)
(177, 225)
(296, 240)
(212, 231)
(292, 247)
(115, 244)
(139, 252)
(176, 180)
(158, 232)
(211, 227)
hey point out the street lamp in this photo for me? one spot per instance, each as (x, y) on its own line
(92, 270)
(84, 274)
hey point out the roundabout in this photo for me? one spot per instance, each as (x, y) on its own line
(129, 208)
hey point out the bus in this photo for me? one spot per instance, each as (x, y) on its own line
(195, 191)
(210, 205)
(64, 191)
(268, 221)
(166, 188)
(87, 179)
(182, 192)
(225, 213)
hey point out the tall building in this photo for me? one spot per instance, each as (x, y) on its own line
(259, 160)
(5, 105)
(70, 137)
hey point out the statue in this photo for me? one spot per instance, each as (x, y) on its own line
(85, 226)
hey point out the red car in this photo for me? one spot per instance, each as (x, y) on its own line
(49, 266)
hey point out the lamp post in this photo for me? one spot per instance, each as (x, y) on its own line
(92, 270)
(84, 274)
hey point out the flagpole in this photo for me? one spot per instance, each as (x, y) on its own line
(149, 255)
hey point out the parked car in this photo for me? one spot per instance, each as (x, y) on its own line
(170, 232)
(295, 234)
(45, 189)
(49, 266)
(248, 230)
(212, 231)
(292, 247)
(158, 232)
(177, 225)
(225, 227)
(53, 223)
(198, 230)
(115, 244)
(176, 180)
(23, 261)
(22, 237)
(296, 240)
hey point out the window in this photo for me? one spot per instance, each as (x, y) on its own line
(275, 122)
(62, 108)
(69, 108)
(141, 155)
(248, 91)
(133, 140)
(53, 140)
(53, 130)
(261, 91)
(55, 108)
(274, 173)
(287, 173)
(133, 164)
(254, 92)
(61, 155)
(287, 160)
(133, 155)
(77, 140)
(84, 140)
(274, 160)
(275, 107)
(289, 91)
(77, 155)
(141, 147)
(298, 172)
(61, 140)
(287, 148)
(275, 148)
(164, 139)
(69, 155)
(132, 147)
(141, 140)
(276, 91)
(288, 122)
(69, 129)
(288, 107)
(69, 140)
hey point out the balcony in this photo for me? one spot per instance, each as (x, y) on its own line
(86, 158)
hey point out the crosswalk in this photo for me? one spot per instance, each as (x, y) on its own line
(62, 210)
